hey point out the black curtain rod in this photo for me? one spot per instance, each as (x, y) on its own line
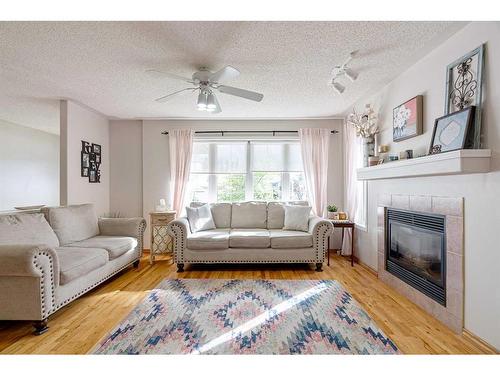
(221, 132)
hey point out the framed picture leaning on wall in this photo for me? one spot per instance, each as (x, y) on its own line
(453, 131)
(464, 81)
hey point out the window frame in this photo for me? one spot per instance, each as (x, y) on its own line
(249, 178)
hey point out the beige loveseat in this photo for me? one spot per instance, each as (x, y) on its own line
(49, 259)
(250, 232)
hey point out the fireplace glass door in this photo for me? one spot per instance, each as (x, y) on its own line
(415, 251)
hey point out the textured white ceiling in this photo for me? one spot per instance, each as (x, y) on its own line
(102, 64)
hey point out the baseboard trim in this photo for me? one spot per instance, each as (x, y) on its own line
(367, 267)
(479, 342)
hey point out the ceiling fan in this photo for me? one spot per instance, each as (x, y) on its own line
(205, 83)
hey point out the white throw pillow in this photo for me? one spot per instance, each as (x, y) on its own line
(200, 218)
(297, 218)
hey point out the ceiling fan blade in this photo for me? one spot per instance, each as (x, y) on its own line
(250, 95)
(159, 74)
(165, 98)
(226, 73)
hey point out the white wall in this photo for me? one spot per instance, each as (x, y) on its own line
(481, 191)
(29, 166)
(125, 150)
(78, 124)
(155, 157)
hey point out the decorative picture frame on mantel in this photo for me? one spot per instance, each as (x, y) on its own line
(464, 81)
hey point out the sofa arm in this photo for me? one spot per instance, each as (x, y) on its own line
(130, 227)
(30, 276)
(321, 230)
(179, 230)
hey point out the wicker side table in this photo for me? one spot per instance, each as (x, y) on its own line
(161, 242)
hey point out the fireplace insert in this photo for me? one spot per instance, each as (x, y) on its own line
(416, 251)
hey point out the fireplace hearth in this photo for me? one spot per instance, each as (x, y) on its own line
(416, 251)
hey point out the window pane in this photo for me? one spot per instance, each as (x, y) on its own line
(231, 158)
(298, 191)
(230, 187)
(199, 162)
(268, 157)
(198, 188)
(267, 186)
(294, 158)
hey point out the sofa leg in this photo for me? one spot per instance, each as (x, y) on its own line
(319, 267)
(136, 263)
(40, 327)
(180, 267)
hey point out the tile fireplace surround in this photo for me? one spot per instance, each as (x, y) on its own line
(452, 208)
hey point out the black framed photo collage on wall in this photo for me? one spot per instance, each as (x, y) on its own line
(91, 161)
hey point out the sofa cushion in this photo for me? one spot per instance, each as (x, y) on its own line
(297, 218)
(275, 215)
(200, 218)
(114, 245)
(249, 215)
(26, 229)
(221, 212)
(75, 262)
(72, 223)
(214, 239)
(290, 239)
(249, 238)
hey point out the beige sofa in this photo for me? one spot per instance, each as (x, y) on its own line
(250, 232)
(49, 259)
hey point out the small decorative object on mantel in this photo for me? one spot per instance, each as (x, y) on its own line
(91, 161)
(407, 119)
(464, 80)
(332, 212)
(373, 160)
(452, 132)
(366, 127)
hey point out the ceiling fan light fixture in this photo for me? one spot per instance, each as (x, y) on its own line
(202, 101)
(211, 106)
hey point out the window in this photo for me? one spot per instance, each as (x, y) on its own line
(232, 171)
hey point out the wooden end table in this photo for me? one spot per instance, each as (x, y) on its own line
(343, 224)
(161, 242)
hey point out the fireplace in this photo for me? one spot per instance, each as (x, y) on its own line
(416, 251)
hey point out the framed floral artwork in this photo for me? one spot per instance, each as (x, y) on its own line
(407, 119)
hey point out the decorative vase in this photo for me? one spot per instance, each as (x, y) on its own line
(333, 215)
(368, 149)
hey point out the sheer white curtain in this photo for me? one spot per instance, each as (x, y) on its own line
(314, 144)
(352, 161)
(181, 151)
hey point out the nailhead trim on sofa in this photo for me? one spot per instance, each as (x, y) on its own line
(45, 311)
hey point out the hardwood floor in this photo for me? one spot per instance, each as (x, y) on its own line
(76, 328)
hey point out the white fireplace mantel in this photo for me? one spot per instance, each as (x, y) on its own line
(447, 163)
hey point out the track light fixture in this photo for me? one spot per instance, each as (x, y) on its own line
(338, 87)
(343, 70)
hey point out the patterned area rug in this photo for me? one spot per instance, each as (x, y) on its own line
(210, 316)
